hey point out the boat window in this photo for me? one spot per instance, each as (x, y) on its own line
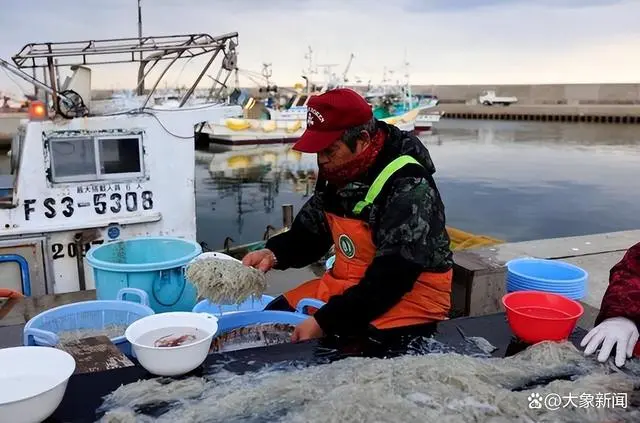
(95, 158)
(73, 158)
(119, 155)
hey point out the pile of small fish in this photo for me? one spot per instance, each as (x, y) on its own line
(440, 387)
(110, 331)
(224, 281)
(260, 335)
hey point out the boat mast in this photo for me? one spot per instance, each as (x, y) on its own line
(309, 71)
(408, 95)
(142, 64)
(140, 22)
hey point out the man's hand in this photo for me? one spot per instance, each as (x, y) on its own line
(309, 329)
(262, 260)
(618, 331)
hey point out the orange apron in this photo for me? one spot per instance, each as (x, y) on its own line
(428, 301)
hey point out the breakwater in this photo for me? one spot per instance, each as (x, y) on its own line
(613, 114)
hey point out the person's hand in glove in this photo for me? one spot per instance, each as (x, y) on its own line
(618, 331)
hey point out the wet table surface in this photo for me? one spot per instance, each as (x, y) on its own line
(85, 391)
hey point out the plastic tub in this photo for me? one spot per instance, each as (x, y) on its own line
(231, 321)
(152, 264)
(43, 329)
(551, 272)
(330, 262)
(252, 304)
(33, 382)
(514, 285)
(540, 316)
(559, 287)
(172, 361)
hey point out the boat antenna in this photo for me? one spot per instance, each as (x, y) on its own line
(142, 64)
(409, 94)
(140, 23)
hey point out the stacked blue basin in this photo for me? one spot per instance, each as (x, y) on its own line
(559, 277)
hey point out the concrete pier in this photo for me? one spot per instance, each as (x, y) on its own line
(614, 114)
(479, 274)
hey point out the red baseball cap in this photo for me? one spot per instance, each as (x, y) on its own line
(329, 115)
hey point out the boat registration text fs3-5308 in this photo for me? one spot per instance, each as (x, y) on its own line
(102, 203)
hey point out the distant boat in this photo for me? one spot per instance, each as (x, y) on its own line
(11, 113)
(395, 103)
(264, 121)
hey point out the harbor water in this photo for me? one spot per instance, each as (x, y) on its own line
(511, 180)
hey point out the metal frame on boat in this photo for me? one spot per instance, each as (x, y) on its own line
(80, 178)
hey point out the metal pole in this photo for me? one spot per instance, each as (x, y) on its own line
(140, 24)
(35, 87)
(52, 81)
(140, 88)
(287, 215)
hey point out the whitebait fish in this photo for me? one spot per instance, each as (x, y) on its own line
(260, 335)
(225, 280)
(438, 387)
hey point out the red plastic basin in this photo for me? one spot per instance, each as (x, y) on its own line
(541, 316)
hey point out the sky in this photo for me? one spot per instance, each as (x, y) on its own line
(444, 41)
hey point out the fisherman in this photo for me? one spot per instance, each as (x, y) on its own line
(377, 202)
(619, 318)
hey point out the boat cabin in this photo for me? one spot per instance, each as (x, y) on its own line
(78, 178)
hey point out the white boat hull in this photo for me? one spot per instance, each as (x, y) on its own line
(47, 216)
(230, 132)
(425, 122)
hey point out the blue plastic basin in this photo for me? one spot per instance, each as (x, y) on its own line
(235, 320)
(550, 271)
(531, 274)
(252, 304)
(44, 328)
(231, 321)
(152, 264)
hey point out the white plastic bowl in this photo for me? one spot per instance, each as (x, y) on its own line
(33, 381)
(172, 361)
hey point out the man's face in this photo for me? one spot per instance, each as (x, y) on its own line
(339, 153)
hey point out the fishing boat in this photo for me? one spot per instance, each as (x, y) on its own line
(230, 132)
(395, 104)
(426, 119)
(11, 113)
(79, 178)
(282, 125)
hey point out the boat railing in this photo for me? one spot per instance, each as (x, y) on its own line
(148, 51)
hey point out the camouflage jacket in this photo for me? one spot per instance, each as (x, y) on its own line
(407, 222)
